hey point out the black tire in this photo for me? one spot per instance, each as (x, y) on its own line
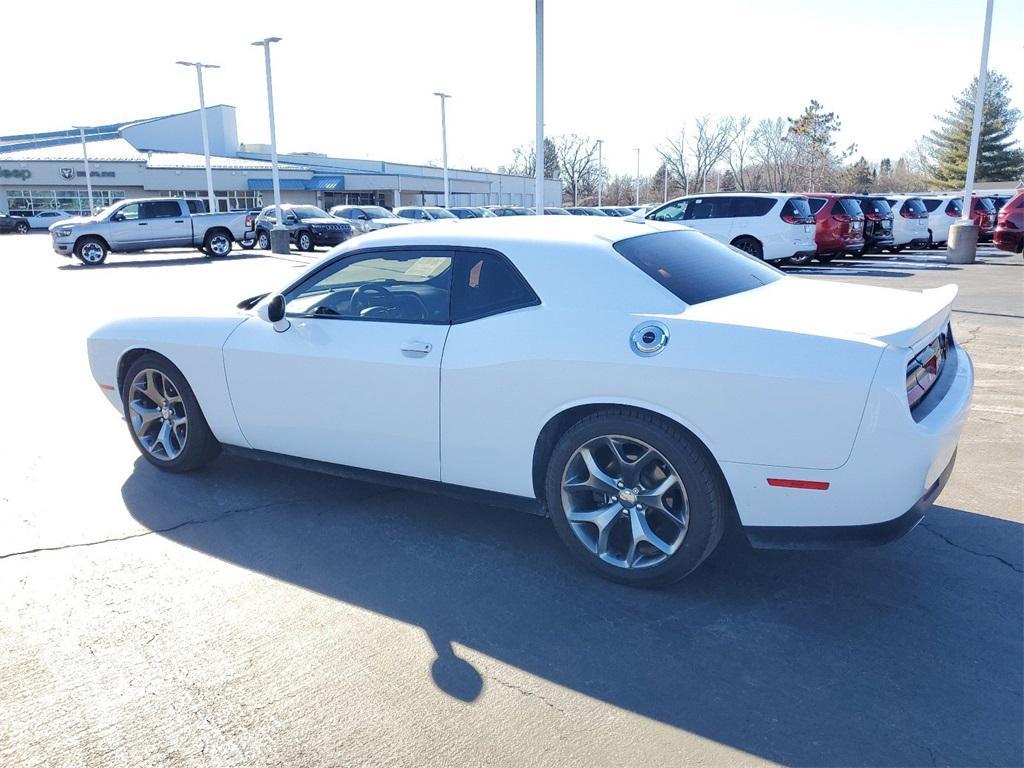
(706, 493)
(304, 241)
(91, 251)
(21, 228)
(749, 245)
(217, 243)
(248, 245)
(825, 258)
(263, 240)
(200, 446)
(802, 260)
(896, 249)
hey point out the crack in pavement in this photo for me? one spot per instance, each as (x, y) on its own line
(971, 551)
(176, 526)
(524, 692)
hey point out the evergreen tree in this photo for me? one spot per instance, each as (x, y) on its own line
(999, 157)
(861, 176)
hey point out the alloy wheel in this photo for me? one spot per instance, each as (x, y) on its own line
(157, 413)
(92, 253)
(625, 502)
(220, 245)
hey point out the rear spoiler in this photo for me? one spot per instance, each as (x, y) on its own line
(936, 306)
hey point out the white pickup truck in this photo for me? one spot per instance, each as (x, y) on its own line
(145, 224)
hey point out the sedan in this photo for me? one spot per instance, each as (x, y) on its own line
(705, 388)
(43, 219)
(367, 218)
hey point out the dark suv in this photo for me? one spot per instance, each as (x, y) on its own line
(10, 223)
(308, 226)
(877, 223)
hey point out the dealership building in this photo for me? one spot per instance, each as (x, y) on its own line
(163, 156)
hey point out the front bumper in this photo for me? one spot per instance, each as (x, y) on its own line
(329, 238)
(63, 247)
(1008, 239)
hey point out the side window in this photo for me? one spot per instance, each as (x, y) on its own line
(165, 209)
(930, 204)
(406, 286)
(954, 207)
(129, 212)
(817, 203)
(196, 206)
(487, 284)
(671, 212)
(708, 208)
(751, 206)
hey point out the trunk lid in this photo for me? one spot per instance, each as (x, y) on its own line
(838, 310)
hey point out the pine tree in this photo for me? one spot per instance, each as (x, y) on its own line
(999, 157)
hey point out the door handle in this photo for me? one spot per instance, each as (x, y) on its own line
(418, 347)
(142, 224)
(179, 221)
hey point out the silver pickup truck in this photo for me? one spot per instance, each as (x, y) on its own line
(145, 224)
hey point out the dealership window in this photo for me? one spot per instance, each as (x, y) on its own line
(30, 202)
(232, 200)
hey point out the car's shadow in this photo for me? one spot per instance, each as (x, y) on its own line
(164, 259)
(908, 654)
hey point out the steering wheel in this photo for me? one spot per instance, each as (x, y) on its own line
(361, 298)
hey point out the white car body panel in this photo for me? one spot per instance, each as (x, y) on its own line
(939, 221)
(43, 219)
(906, 230)
(793, 379)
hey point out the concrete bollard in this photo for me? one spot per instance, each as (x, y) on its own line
(962, 246)
(279, 240)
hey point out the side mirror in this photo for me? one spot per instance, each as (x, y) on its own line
(117, 217)
(272, 311)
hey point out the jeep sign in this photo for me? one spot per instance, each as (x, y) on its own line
(17, 173)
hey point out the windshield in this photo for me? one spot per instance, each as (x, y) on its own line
(376, 212)
(440, 213)
(484, 213)
(303, 212)
(695, 267)
(109, 209)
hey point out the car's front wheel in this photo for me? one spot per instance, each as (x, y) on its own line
(91, 251)
(305, 241)
(634, 497)
(164, 417)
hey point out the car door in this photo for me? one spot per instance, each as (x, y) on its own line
(125, 231)
(165, 224)
(355, 379)
(711, 216)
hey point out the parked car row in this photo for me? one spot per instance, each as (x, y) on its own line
(1009, 231)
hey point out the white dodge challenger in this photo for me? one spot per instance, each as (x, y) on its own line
(640, 383)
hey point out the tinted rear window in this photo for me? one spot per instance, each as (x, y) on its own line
(985, 204)
(914, 205)
(694, 267)
(955, 206)
(751, 206)
(848, 206)
(931, 204)
(797, 206)
(816, 203)
(875, 205)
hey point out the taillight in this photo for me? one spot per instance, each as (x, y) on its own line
(842, 217)
(1007, 224)
(953, 213)
(248, 221)
(906, 214)
(873, 216)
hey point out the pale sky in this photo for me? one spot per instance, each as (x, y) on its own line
(355, 78)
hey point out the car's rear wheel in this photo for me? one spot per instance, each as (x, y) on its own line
(634, 497)
(263, 240)
(21, 228)
(218, 244)
(164, 417)
(749, 245)
(305, 241)
(825, 258)
(91, 251)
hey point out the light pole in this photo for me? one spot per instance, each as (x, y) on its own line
(538, 194)
(206, 134)
(278, 233)
(963, 236)
(444, 145)
(600, 170)
(664, 179)
(85, 156)
(637, 149)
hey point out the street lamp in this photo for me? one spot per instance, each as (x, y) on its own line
(538, 195)
(85, 155)
(278, 233)
(206, 134)
(637, 150)
(444, 145)
(600, 171)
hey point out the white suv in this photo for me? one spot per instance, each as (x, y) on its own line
(773, 227)
(943, 210)
(909, 221)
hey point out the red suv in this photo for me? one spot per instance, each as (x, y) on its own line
(983, 213)
(1009, 232)
(838, 227)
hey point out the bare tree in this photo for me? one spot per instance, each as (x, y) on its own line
(709, 146)
(577, 162)
(775, 154)
(740, 146)
(674, 155)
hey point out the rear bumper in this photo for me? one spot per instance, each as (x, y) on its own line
(1008, 239)
(836, 536)
(899, 463)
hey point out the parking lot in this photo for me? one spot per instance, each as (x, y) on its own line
(256, 615)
